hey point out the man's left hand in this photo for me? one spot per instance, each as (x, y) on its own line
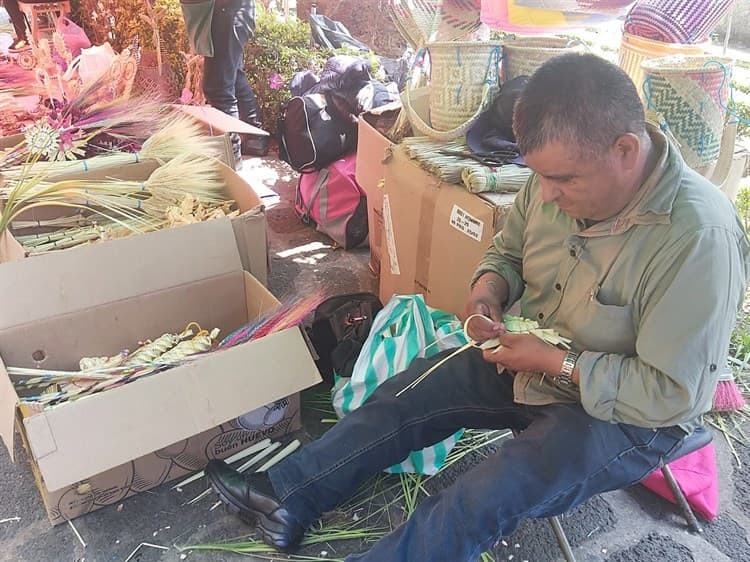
(526, 352)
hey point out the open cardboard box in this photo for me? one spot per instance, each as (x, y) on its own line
(249, 226)
(219, 123)
(10, 141)
(434, 233)
(100, 299)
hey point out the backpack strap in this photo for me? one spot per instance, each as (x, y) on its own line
(319, 186)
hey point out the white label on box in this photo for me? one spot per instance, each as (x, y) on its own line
(390, 239)
(464, 222)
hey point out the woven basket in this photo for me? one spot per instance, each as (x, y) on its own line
(634, 51)
(691, 93)
(150, 81)
(421, 21)
(523, 55)
(676, 21)
(463, 82)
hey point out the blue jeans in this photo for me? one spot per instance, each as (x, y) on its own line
(562, 457)
(225, 83)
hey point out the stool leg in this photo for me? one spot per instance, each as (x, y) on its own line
(681, 501)
(562, 539)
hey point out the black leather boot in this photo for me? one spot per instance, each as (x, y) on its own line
(253, 499)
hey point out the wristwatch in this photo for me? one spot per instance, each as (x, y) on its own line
(565, 377)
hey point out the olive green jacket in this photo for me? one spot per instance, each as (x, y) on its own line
(648, 297)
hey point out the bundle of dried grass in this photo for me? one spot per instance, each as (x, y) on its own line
(440, 158)
(509, 178)
(181, 135)
(131, 204)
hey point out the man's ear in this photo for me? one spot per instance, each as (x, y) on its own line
(627, 149)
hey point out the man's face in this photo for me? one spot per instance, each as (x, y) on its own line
(583, 187)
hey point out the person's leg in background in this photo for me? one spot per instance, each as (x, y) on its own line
(232, 26)
(256, 145)
(19, 23)
(247, 103)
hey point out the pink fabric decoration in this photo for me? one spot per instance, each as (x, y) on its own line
(698, 478)
(511, 16)
(74, 36)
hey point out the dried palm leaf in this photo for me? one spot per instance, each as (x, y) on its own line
(120, 201)
(182, 135)
(513, 324)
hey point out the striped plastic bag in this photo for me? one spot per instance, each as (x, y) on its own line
(404, 330)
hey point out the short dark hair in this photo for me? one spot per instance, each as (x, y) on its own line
(580, 99)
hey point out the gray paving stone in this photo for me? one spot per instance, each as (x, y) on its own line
(728, 536)
(654, 547)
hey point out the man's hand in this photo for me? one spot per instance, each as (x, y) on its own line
(487, 298)
(526, 352)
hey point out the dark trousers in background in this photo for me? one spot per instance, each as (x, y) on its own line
(562, 457)
(16, 18)
(225, 83)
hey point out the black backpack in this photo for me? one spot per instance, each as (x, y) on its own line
(312, 133)
(340, 327)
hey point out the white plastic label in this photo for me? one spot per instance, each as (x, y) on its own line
(464, 222)
(390, 239)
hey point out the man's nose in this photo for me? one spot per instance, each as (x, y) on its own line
(550, 193)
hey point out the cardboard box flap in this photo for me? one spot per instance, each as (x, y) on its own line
(219, 122)
(10, 249)
(213, 390)
(8, 401)
(115, 270)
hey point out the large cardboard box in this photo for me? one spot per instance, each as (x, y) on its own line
(217, 122)
(10, 141)
(373, 150)
(220, 125)
(99, 299)
(435, 234)
(249, 226)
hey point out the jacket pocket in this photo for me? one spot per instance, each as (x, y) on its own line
(605, 327)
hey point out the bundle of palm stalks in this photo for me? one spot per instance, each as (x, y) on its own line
(134, 206)
(82, 229)
(446, 160)
(181, 135)
(508, 178)
(98, 374)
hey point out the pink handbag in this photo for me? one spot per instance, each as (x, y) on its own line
(698, 479)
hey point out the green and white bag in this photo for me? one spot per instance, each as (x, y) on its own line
(404, 330)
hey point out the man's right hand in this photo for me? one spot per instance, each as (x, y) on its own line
(487, 298)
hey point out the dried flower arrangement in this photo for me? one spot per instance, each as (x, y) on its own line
(186, 188)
